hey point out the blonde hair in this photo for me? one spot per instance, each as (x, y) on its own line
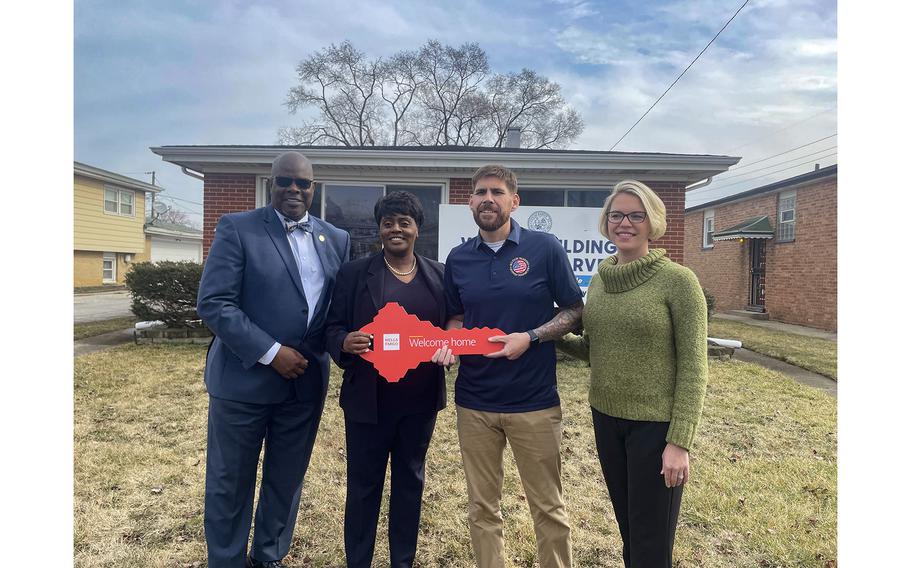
(654, 207)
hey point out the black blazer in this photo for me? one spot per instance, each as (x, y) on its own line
(356, 301)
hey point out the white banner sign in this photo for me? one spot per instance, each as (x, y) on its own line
(575, 227)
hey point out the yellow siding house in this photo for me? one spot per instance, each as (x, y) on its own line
(108, 218)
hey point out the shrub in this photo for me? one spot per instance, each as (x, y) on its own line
(165, 291)
(710, 300)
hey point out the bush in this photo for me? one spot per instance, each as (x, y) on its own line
(710, 300)
(165, 291)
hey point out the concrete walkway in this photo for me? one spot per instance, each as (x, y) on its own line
(797, 373)
(103, 341)
(779, 326)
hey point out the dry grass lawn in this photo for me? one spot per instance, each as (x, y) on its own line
(811, 353)
(763, 489)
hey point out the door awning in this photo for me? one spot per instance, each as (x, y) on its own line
(754, 228)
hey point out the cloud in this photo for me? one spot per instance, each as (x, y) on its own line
(173, 72)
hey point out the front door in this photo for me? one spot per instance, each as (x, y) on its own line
(757, 275)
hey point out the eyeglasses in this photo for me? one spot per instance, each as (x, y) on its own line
(282, 181)
(634, 217)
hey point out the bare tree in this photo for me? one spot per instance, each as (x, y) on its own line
(451, 79)
(436, 95)
(174, 216)
(343, 86)
(533, 103)
(401, 80)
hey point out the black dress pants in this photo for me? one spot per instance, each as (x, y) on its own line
(369, 448)
(630, 453)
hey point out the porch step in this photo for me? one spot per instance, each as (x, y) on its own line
(748, 314)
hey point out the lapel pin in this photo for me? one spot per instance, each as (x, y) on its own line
(322, 238)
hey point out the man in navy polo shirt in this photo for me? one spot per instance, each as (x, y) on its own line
(509, 277)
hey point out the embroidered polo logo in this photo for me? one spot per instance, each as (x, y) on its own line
(519, 266)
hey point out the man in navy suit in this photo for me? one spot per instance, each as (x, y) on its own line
(264, 293)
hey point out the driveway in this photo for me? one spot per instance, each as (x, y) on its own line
(101, 306)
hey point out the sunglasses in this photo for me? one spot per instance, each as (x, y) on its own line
(282, 181)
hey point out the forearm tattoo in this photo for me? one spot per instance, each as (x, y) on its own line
(566, 320)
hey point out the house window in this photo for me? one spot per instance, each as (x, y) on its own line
(786, 217)
(590, 198)
(109, 268)
(551, 197)
(542, 197)
(707, 240)
(119, 201)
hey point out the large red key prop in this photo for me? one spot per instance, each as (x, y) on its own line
(401, 341)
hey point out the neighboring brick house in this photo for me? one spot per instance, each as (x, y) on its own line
(108, 215)
(352, 178)
(772, 249)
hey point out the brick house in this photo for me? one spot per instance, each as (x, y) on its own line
(771, 250)
(351, 179)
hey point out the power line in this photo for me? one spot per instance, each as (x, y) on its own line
(758, 177)
(180, 199)
(730, 151)
(680, 75)
(184, 208)
(747, 164)
(725, 178)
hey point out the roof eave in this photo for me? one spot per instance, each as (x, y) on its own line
(153, 230)
(220, 158)
(92, 172)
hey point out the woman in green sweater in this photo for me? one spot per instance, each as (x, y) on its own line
(645, 335)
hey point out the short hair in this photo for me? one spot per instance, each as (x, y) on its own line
(497, 171)
(654, 207)
(399, 203)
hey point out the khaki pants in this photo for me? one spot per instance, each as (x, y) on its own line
(534, 438)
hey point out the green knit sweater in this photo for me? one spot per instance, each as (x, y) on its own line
(646, 327)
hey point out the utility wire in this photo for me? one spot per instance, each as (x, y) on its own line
(179, 199)
(680, 75)
(756, 177)
(747, 164)
(730, 151)
(725, 178)
(184, 208)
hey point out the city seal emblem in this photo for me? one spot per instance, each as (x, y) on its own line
(519, 266)
(540, 221)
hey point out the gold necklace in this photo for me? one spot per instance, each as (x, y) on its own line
(408, 273)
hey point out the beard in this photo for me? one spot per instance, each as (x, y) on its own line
(498, 221)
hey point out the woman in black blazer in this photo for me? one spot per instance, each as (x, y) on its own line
(383, 419)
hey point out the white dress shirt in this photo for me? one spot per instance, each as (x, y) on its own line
(312, 276)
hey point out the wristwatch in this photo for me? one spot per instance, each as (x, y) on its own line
(534, 338)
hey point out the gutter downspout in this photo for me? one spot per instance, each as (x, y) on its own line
(698, 185)
(196, 175)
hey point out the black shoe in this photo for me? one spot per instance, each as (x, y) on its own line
(253, 563)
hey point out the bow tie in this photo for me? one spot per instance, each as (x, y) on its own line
(292, 226)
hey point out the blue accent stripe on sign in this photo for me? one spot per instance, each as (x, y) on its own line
(584, 280)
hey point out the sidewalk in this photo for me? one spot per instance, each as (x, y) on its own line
(798, 374)
(779, 326)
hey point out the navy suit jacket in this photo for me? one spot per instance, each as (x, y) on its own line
(357, 300)
(251, 296)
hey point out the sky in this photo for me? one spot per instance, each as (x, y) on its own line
(154, 73)
(175, 72)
